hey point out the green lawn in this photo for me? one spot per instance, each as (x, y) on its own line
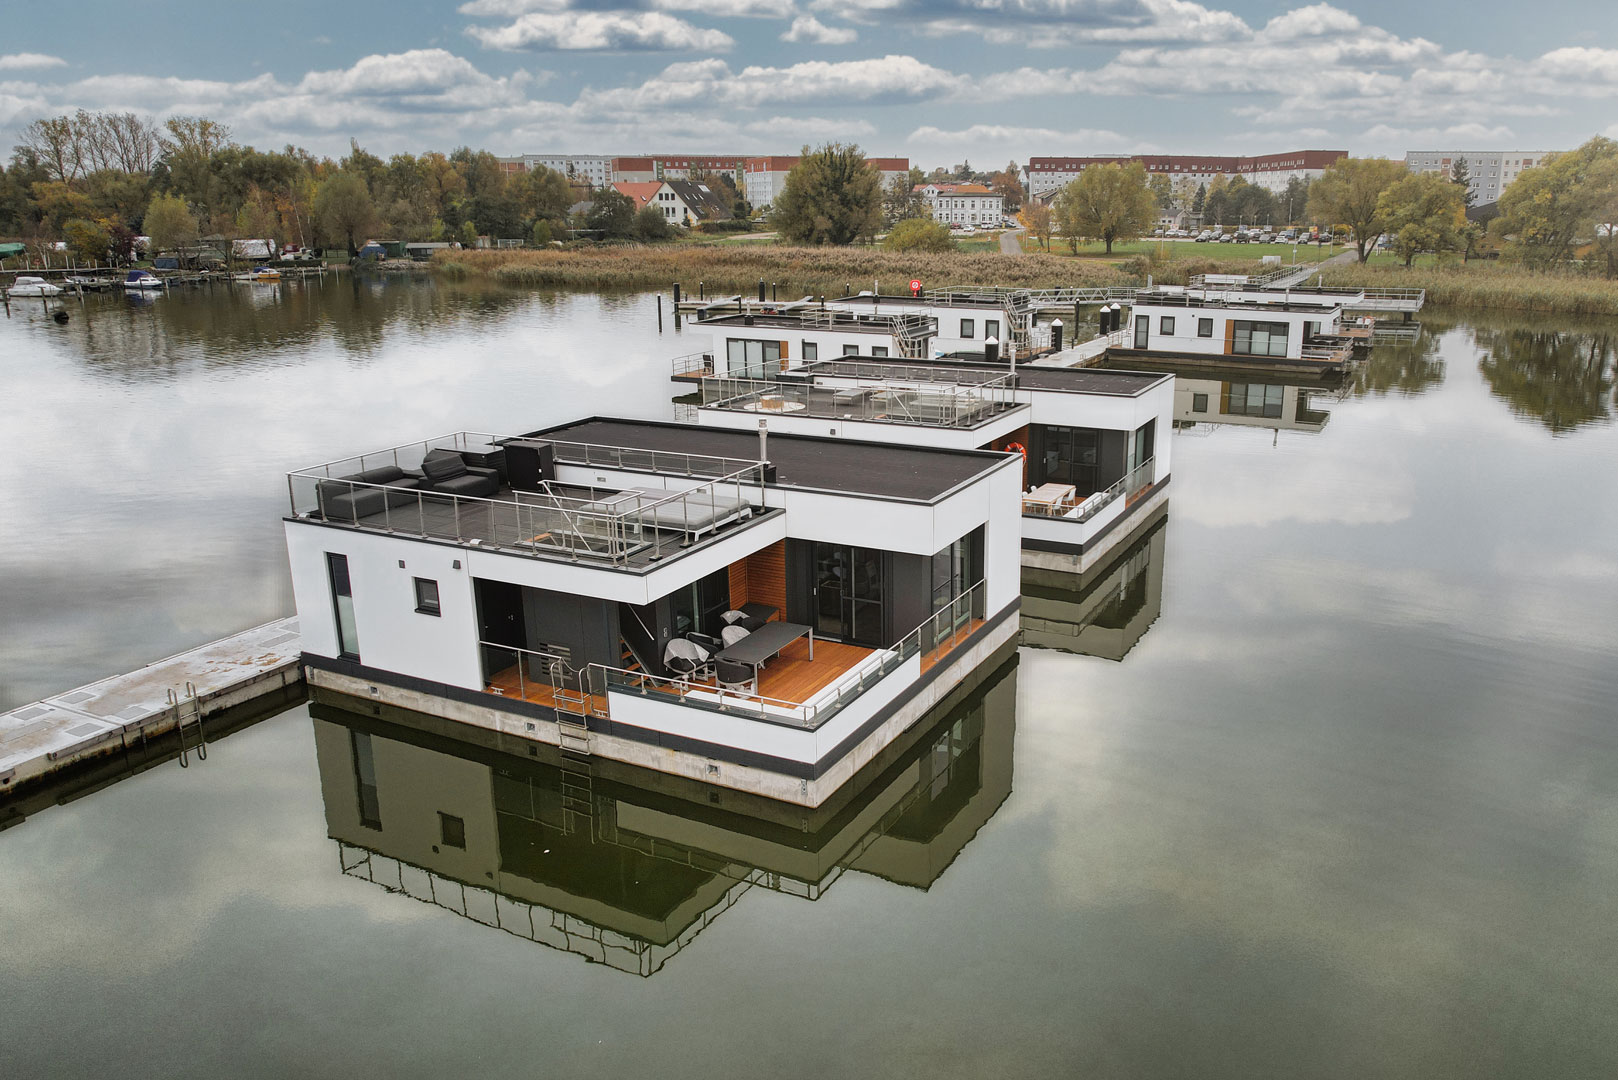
(979, 242)
(1184, 249)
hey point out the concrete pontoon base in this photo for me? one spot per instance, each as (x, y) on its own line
(44, 738)
(983, 650)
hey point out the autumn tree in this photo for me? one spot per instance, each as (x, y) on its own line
(1348, 193)
(89, 241)
(344, 209)
(919, 234)
(1040, 220)
(1007, 183)
(1423, 212)
(831, 196)
(612, 214)
(1550, 207)
(1460, 173)
(901, 200)
(170, 223)
(1108, 203)
(651, 226)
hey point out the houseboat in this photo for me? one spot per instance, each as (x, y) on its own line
(1240, 328)
(627, 866)
(756, 610)
(752, 340)
(1093, 444)
(1103, 612)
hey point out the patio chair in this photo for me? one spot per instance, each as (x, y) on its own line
(687, 659)
(732, 675)
(730, 635)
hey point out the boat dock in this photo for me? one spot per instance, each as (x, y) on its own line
(175, 695)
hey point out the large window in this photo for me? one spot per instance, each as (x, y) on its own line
(1260, 338)
(698, 606)
(849, 593)
(342, 596)
(1254, 399)
(750, 359)
(957, 568)
(1071, 456)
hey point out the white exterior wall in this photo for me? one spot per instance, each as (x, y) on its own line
(968, 209)
(1186, 340)
(946, 318)
(587, 168)
(868, 430)
(392, 635)
(829, 343)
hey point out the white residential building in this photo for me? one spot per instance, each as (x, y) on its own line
(1490, 171)
(764, 177)
(592, 169)
(964, 204)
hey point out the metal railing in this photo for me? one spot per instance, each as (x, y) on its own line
(533, 668)
(1338, 354)
(939, 402)
(697, 363)
(611, 527)
(1130, 484)
(936, 632)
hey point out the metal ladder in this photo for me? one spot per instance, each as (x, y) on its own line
(578, 792)
(188, 713)
(572, 704)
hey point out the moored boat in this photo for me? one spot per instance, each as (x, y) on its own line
(142, 279)
(25, 285)
(258, 274)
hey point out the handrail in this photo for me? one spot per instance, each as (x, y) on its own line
(1127, 485)
(948, 620)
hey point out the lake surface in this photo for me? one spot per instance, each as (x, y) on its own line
(1347, 805)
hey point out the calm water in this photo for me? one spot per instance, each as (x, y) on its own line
(1347, 806)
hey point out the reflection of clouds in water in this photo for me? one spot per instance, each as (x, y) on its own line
(250, 828)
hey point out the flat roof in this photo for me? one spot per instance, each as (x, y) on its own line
(1060, 379)
(914, 473)
(852, 322)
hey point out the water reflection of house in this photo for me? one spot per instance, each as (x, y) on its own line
(1103, 612)
(626, 866)
(1247, 402)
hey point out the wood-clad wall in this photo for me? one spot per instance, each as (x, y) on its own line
(766, 573)
(739, 594)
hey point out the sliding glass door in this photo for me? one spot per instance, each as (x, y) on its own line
(849, 593)
(1072, 456)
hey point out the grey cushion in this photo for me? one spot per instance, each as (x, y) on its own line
(385, 474)
(440, 466)
(346, 500)
(483, 482)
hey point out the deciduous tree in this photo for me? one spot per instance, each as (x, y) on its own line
(344, 209)
(1550, 207)
(1041, 221)
(1107, 203)
(831, 196)
(170, 224)
(919, 234)
(651, 226)
(612, 214)
(1423, 212)
(1348, 193)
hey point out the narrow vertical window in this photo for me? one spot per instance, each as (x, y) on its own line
(342, 593)
(427, 597)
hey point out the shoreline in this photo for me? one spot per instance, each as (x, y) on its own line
(720, 270)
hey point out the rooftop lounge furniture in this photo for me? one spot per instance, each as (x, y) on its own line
(445, 471)
(350, 498)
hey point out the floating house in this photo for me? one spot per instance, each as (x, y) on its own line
(1240, 328)
(1094, 444)
(757, 610)
(626, 866)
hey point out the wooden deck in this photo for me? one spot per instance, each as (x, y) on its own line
(506, 684)
(944, 648)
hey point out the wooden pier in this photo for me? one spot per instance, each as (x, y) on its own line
(43, 739)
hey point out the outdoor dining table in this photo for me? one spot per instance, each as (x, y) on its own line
(1049, 496)
(765, 643)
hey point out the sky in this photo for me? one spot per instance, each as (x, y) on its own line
(937, 81)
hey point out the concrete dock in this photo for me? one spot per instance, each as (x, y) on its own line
(46, 737)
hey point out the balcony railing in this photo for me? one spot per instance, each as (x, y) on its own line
(936, 632)
(1129, 485)
(697, 363)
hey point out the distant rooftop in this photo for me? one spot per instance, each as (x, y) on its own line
(1060, 379)
(900, 472)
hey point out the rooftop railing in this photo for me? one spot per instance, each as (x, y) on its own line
(1130, 484)
(934, 403)
(613, 526)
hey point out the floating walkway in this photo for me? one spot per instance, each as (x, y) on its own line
(177, 694)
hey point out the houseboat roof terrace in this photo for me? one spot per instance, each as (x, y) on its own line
(1255, 301)
(795, 317)
(1061, 380)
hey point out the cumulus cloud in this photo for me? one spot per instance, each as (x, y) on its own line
(603, 31)
(29, 61)
(807, 28)
(1049, 23)
(887, 78)
(794, 130)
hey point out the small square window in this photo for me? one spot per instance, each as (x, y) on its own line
(879, 350)
(851, 350)
(966, 328)
(1165, 325)
(1199, 402)
(811, 352)
(1205, 328)
(427, 597)
(451, 831)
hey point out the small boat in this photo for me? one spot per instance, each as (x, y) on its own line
(33, 286)
(259, 274)
(142, 279)
(83, 281)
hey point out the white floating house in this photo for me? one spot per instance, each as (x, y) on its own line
(754, 340)
(962, 322)
(766, 616)
(1094, 443)
(1240, 328)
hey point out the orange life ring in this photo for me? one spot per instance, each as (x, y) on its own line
(1019, 447)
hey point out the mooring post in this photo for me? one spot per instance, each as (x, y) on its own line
(659, 313)
(676, 296)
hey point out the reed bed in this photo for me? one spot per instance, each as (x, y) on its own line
(797, 270)
(1489, 286)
